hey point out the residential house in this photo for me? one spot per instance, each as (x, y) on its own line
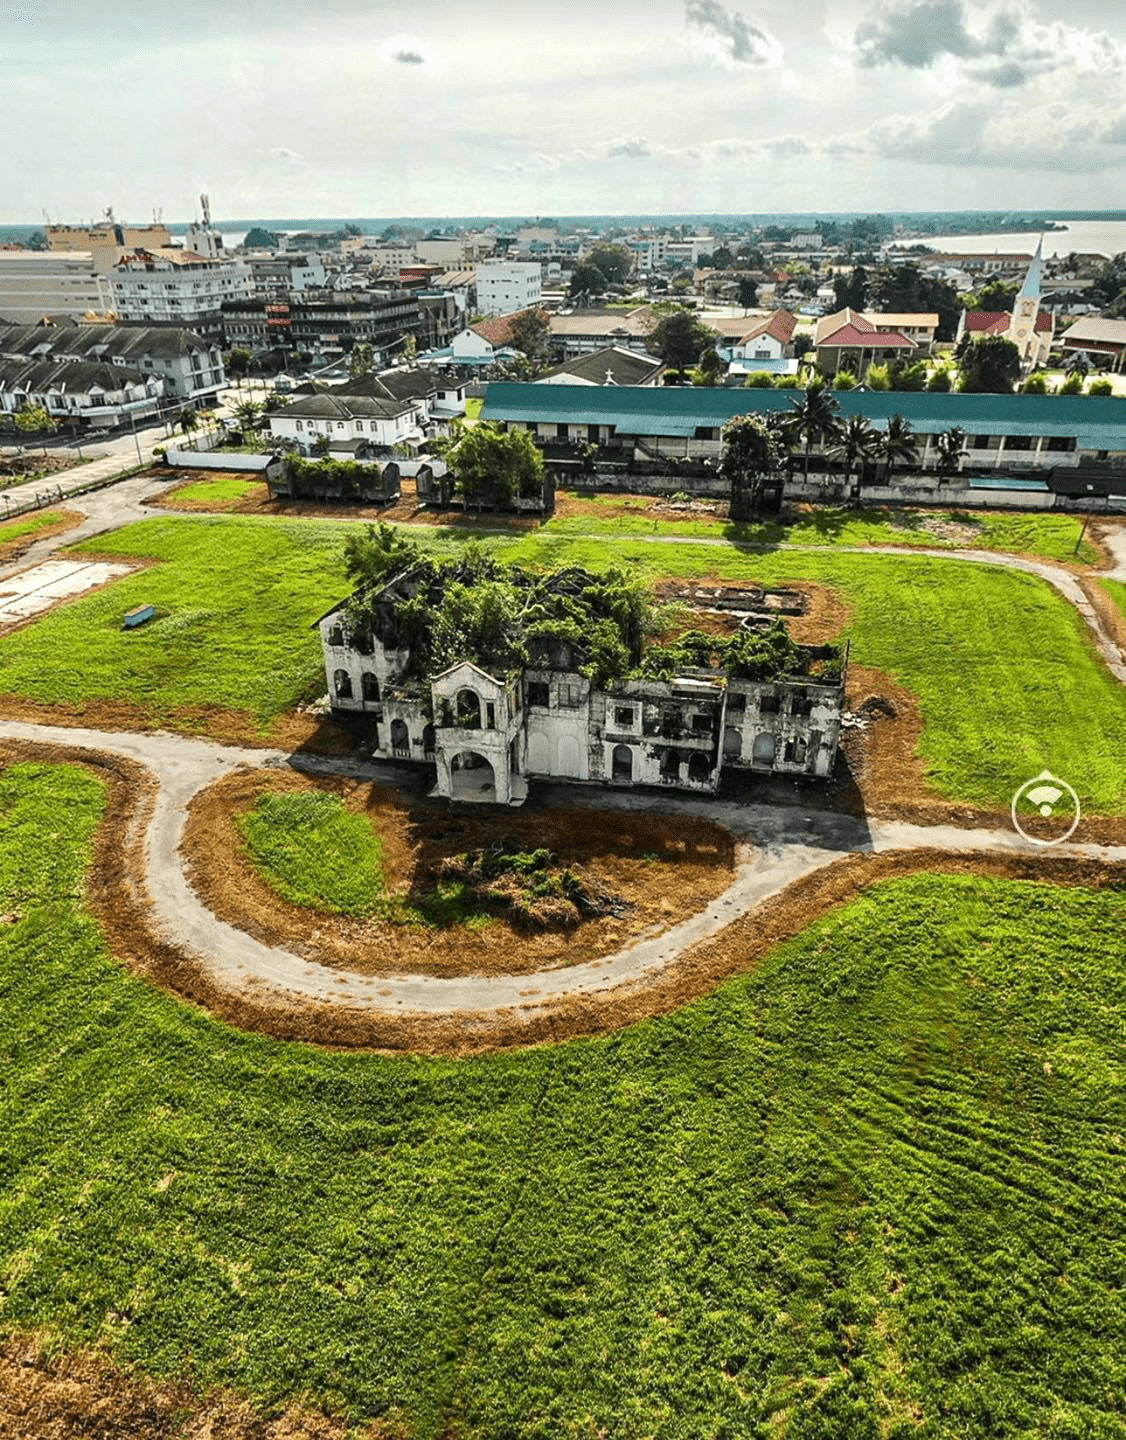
(88, 394)
(763, 343)
(1095, 336)
(850, 340)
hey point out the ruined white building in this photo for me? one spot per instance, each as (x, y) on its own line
(487, 730)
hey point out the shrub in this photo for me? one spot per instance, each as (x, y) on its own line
(878, 377)
(1100, 387)
(1035, 385)
(845, 380)
(759, 380)
(1073, 385)
(939, 381)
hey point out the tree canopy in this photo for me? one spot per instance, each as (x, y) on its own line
(680, 339)
(990, 365)
(751, 453)
(491, 466)
(531, 335)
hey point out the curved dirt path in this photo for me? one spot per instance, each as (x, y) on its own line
(778, 847)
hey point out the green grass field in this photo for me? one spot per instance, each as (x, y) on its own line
(226, 487)
(1051, 537)
(28, 525)
(1117, 592)
(1007, 680)
(314, 851)
(871, 1189)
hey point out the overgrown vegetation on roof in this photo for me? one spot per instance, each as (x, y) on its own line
(502, 618)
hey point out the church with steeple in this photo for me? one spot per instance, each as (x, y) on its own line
(1029, 328)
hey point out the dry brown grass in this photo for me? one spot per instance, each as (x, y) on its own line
(696, 862)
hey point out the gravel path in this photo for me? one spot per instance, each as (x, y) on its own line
(777, 847)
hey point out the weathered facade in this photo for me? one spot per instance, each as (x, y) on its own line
(487, 734)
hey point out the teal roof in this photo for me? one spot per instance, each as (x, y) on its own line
(1030, 290)
(1098, 421)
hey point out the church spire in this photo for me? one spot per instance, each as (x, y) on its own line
(1030, 290)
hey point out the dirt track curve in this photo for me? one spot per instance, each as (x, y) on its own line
(779, 847)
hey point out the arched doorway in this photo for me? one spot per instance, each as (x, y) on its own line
(342, 684)
(763, 752)
(429, 739)
(471, 777)
(732, 743)
(370, 684)
(699, 768)
(623, 765)
(400, 738)
(468, 707)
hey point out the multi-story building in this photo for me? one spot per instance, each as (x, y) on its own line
(34, 284)
(486, 728)
(177, 287)
(324, 322)
(506, 286)
(107, 242)
(190, 367)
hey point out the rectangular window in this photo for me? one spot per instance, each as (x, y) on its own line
(539, 693)
(981, 442)
(701, 723)
(623, 716)
(801, 705)
(768, 704)
(737, 702)
(490, 715)
(571, 696)
(300, 424)
(1019, 442)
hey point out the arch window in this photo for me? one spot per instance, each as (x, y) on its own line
(370, 685)
(342, 684)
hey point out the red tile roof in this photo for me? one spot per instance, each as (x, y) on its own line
(997, 322)
(497, 329)
(854, 336)
(779, 326)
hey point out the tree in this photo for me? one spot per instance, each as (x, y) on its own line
(710, 365)
(237, 361)
(991, 366)
(362, 361)
(34, 420)
(951, 446)
(852, 290)
(613, 261)
(531, 335)
(247, 413)
(898, 443)
(374, 555)
(858, 441)
(260, 239)
(908, 375)
(996, 295)
(939, 381)
(491, 466)
(748, 292)
(751, 454)
(816, 419)
(188, 420)
(587, 282)
(410, 350)
(680, 339)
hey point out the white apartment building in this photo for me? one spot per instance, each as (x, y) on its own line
(177, 287)
(505, 286)
(37, 283)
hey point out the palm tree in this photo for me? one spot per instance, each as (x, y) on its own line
(898, 443)
(247, 412)
(951, 445)
(188, 421)
(817, 419)
(858, 441)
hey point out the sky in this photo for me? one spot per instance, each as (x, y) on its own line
(339, 108)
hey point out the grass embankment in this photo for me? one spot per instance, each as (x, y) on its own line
(1002, 665)
(1050, 537)
(1116, 589)
(868, 1189)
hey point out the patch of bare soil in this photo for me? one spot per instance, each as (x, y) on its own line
(1097, 532)
(84, 1396)
(13, 549)
(826, 616)
(311, 732)
(663, 869)
(25, 468)
(117, 896)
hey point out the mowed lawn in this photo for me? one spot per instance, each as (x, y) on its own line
(871, 1189)
(1117, 592)
(1051, 537)
(1007, 679)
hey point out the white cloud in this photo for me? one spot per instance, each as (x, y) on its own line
(1002, 45)
(730, 37)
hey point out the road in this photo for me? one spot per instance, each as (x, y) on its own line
(778, 846)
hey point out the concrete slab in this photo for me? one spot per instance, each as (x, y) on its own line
(31, 591)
